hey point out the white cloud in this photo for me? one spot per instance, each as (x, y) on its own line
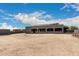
(66, 5)
(72, 5)
(1, 10)
(7, 26)
(70, 21)
(5, 13)
(33, 18)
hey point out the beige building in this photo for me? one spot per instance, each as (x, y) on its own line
(47, 28)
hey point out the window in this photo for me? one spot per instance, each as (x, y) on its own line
(42, 30)
(34, 30)
(50, 29)
(58, 29)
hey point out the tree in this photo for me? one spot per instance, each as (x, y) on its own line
(73, 27)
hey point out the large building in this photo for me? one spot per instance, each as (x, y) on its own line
(47, 28)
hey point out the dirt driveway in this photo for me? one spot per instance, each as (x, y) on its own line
(39, 44)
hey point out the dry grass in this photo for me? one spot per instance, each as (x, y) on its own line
(39, 44)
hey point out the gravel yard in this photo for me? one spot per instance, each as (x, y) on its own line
(38, 45)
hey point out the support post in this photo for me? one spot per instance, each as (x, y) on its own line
(46, 29)
(62, 29)
(37, 30)
(53, 29)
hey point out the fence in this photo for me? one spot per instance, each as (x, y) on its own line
(5, 32)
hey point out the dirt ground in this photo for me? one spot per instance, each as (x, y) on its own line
(39, 45)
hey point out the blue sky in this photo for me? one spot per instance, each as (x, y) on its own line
(19, 15)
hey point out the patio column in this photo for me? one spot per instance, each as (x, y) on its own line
(37, 30)
(62, 29)
(53, 29)
(45, 29)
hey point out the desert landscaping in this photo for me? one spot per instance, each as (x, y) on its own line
(38, 45)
